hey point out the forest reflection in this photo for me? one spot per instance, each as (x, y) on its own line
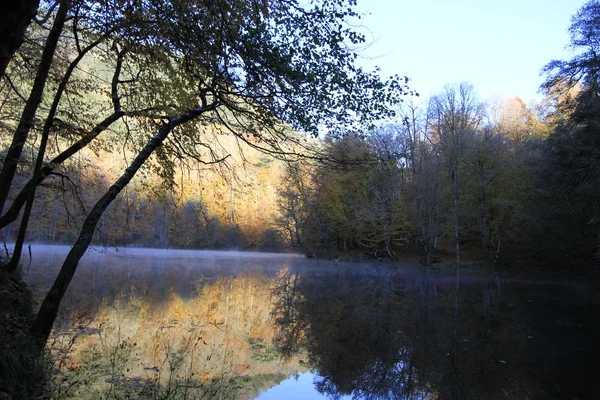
(382, 336)
(231, 328)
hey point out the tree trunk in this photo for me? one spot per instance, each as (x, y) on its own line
(35, 97)
(485, 237)
(48, 311)
(485, 295)
(37, 171)
(388, 248)
(13, 263)
(46, 316)
(16, 19)
(455, 204)
(457, 245)
(497, 256)
(484, 231)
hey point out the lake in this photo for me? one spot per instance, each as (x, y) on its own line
(147, 323)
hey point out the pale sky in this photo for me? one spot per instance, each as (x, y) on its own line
(498, 46)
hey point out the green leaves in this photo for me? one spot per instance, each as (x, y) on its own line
(293, 62)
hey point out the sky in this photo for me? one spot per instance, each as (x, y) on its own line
(498, 46)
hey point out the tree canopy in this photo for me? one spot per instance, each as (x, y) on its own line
(584, 67)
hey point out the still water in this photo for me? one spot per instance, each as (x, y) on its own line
(144, 323)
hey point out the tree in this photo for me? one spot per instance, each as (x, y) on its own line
(425, 183)
(26, 121)
(584, 67)
(17, 17)
(245, 68)
(426, 192)
(382, 217)
(566, 215)
(339, 194)
(294, 196)
(517, 121)
(493, 189)
(90, 29)
(453, 117)
(569, 175)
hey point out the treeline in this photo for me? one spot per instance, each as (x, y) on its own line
(507, 182)
(504, 181)
(229, 206)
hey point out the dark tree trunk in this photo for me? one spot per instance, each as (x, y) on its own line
(42, 325)
(37, 171)
(388, 248)
(35, 97)
(485, 235)
(456, 244)
(455, 216)
(47, 314)
(17, 17)
(484, 231)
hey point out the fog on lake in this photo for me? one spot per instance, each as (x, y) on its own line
(151, 323)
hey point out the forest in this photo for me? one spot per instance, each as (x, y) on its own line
(250, 125)
(503, 179)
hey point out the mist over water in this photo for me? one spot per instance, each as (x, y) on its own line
(232, 325)
(151, 265)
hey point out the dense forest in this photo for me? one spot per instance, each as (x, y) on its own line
(250, 125)
(520, 175)
(504, 180)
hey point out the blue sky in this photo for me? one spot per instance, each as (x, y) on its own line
(499, 46)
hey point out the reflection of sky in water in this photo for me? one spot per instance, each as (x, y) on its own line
(296, 387)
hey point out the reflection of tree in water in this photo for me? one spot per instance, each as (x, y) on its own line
(369, 332)
(214, 343)
(375, 335)
(357, 333)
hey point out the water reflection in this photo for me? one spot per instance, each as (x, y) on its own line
(388, 337)
(296, 387)
(230, 325)
(166, 327)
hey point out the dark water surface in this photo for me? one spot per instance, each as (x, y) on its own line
(207, 324)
